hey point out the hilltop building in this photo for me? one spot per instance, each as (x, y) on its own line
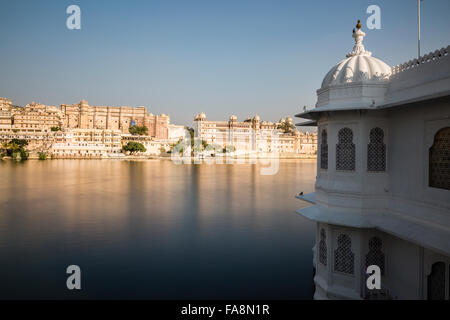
(84, 116)
(382, 194)
(83, 131)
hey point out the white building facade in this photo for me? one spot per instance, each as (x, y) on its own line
(253, 136)
(86, 144)
(382, 193)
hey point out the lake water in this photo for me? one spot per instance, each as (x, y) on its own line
(155, 230)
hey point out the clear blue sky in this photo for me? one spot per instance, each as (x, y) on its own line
(222, 57)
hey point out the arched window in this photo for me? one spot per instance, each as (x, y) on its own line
(324, 150)
(376, 151)
(323, 247)
(345, 150)
(343, 255)
(439, 172)
(436, 282)
(375, 255)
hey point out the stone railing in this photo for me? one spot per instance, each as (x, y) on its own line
(432, 56)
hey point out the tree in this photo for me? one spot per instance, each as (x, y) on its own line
(16, 149)
(42, 155)
(177, 147)
(228, 149)
(54, 129)
(287, 127)
(20, 142)
(134, 147)
(138, 130)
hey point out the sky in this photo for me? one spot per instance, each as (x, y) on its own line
(221, 57)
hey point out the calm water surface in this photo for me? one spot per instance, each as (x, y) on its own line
(154, 230)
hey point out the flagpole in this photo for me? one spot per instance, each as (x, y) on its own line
(418, 43)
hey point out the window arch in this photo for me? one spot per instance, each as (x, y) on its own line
(324, 150)
(376, 151)
(323, 247)
(344, 258)
(375, 255)
(345, 150)
(439, 158)
(436, 282)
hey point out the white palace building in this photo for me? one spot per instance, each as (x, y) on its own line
(382, 193)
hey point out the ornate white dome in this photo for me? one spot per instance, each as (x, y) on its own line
(359, 66)
(359, 79)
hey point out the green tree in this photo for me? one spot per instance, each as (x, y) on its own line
(42, 156)
(286, 127)
(228, 149)
(54, 129)
(133, 147)
(20, 142)
(16, 149)
(138, 130)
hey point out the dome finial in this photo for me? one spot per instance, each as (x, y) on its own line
(358, 35)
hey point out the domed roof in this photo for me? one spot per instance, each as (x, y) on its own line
(358, 81)
(358, 66)
(233, 118)
(200, 116)
(256, 118)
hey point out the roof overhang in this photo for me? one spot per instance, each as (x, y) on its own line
(310, 123)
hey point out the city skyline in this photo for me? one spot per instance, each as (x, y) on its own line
(178, 58)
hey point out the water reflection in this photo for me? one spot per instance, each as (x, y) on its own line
(152, 229)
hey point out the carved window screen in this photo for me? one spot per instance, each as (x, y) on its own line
(345, 150)
(436, 282)
(376, 151)
(344, 258)
(324, 150)
(323, 247)
(375, 255)
(439, 158)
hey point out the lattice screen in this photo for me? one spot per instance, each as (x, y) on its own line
(375, 256)
(343, 256)
(376, 151)
(324, 150)
(436, 282)
(345, 150)
(323, 247)
(440, 160)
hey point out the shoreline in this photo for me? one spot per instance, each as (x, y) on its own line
(193, 159)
